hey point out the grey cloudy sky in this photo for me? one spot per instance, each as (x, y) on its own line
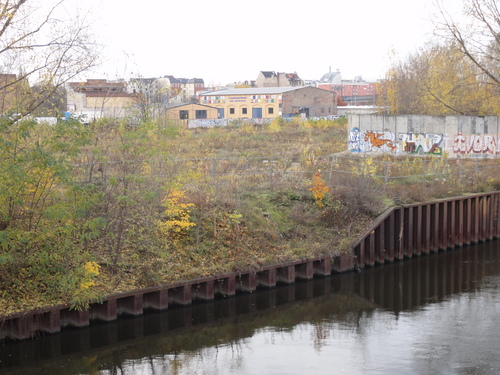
(224, 41)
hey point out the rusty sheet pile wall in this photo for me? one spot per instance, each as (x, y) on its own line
(429, 227)
(51, 320)
(400, 232)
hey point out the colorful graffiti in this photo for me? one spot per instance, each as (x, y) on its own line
(354, 141)
(207, 123)
(476, 144)
(372, 141)
(426, 143)
(376, 140)
(386, 141)
(210, 123)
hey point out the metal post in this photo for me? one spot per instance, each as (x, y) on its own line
(271, 174)
(214, 168)
(425, 174)
(331, 170)
(386, 174)
(460, 171)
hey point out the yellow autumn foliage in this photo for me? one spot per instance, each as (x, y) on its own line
(437, 80)
(177, 212)
(91, 270)
(275, 125)
(367, 167)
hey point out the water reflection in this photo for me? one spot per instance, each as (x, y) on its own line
(425, 315)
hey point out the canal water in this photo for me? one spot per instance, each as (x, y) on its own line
(435, 314)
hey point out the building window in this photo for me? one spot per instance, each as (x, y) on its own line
(184, 115)
(201, 114)
(244, 111)
(270, 110)
(231, 111)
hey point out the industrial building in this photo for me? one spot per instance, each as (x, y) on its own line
(270, 102)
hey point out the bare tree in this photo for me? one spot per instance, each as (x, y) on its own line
(40, 44)
(477, 36)
(152, 97)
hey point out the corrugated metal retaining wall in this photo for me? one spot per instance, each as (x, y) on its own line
(400, 232)
(429, 227)
(25, 325)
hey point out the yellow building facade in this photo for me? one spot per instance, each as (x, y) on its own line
(192, 111)
(246, 103)
(270, 102)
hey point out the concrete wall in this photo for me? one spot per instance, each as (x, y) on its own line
(357, 110)
(454, 135)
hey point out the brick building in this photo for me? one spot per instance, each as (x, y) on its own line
(353, 92)
(359, 92)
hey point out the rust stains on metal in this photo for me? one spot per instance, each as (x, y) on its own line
(401, 232)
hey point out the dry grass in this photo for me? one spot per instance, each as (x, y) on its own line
(250, 190)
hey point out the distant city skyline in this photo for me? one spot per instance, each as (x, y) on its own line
(223, 43)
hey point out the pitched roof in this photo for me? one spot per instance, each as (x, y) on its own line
(196, 80)
(172, 79)
(189, 104)
(268, 74)
(252, 91)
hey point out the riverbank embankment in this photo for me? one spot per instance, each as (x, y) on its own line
(401, 232)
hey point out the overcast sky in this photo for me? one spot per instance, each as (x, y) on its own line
(225, 41)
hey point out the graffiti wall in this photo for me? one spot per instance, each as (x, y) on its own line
(431, 135)
(210, 123)
(426, 143)
(387, 141)
(372, 141)
(476, 144)
(207, 123)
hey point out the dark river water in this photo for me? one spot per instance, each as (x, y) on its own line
(436, 314)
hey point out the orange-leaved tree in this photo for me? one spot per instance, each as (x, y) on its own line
(319, 189)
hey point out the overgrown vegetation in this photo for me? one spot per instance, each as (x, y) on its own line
(87, 211)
